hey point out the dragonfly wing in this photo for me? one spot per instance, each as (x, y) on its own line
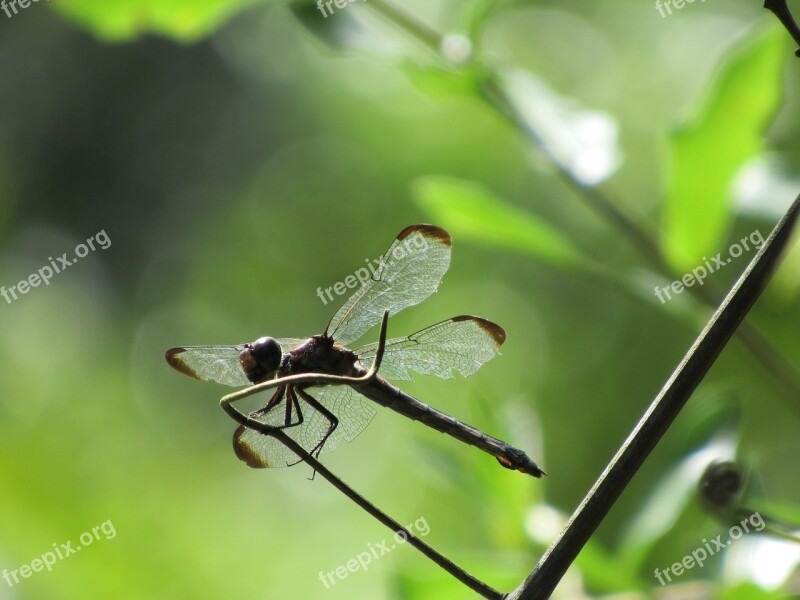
(216, 363)
(261, 451)
(460, 344)
(209, 363)
(409, 272)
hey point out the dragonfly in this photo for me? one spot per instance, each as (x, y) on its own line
(319, 415)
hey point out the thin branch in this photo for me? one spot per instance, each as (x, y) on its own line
(496, 97)
(781, 10)
(659, 416)
(310, 378)
(409, 23)
(463, 576)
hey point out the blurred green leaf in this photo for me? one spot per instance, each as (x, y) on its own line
(781, 511)
(706, 153)
(477, 14)
(119, 20)
(438, 82)
(749, 591)
(472, 212)
(405, 585)
(337, 33)
(720, 411)
(785, 285)
(605, 573)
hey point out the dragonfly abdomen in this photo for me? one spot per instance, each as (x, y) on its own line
(386, 394)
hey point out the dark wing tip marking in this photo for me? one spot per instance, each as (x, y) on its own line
(244, 452)
(176, 362)
(429, 231)
(497, 333)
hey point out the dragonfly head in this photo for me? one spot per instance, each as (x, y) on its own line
(260, 359)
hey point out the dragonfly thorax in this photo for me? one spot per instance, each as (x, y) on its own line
(320, 354)
(260, 359)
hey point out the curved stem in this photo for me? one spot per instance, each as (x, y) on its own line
(226, 401)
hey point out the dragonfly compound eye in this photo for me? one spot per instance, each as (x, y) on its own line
(261, 358)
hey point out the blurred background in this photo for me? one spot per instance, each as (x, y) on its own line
(240, 154)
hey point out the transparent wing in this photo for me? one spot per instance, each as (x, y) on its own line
(262, 451)
(212, 363)
(216, 363)
(459, 344)
(408, 273)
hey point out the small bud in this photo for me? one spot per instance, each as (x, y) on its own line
(722, 484)
(456, 49)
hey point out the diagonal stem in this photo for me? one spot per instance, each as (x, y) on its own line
(659, 416)
(463, 576)
(307, 378)
(427, 35)
(781, 10)
(495, 96)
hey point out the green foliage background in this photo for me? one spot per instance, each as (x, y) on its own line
(242, 154)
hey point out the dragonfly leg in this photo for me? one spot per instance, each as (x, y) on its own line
(252, 421)
(316, 405)
(276, 398)
(291, 402)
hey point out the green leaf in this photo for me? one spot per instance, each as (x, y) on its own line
(119, 20)
(604, 572)
(706, 152)
(785, 285)
(478, 13)
(472, 212)
(750, 591)
(443, 82)
(335, 30)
